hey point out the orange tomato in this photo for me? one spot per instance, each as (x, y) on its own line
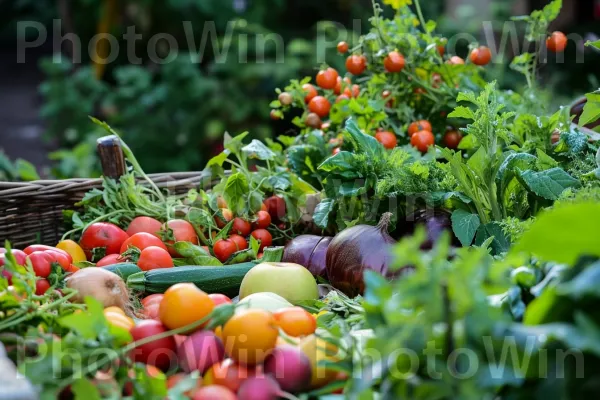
(320, 106)
(296, 321)
(387, 139)
(183, 304)
(250, 335)
(119, 319)
(342, 47)
(481, 56)
(557, 42)
(394, 62)
(422, 140)
(227, 373)
(421, 125)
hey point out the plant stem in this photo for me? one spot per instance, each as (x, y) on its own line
(420, 14)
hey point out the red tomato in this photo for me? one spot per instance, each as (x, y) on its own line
(394, 62)
(356, 64)
(141, 241)
(154, 257)
(183, 231)
(342, 47)
(264, 237)
(239, 241)
(241, 227)
(227, 214)
(313, 121)
(320, 106)
(353, 91)
(161, 353)
(327, 78)
(422, 140)
(275, 207)
(151, 299)
(41, 286)
(151, 311)
(263, 220)
(144, 224)
(452, 139)
(102, 235)
(110, 260)
(310, 92)
(481, 55)
(387, 139)
(41, 262)
(219, 299)
(557, 42)
(224, 248)
(421, 125)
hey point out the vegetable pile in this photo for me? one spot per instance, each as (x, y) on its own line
(357, 259)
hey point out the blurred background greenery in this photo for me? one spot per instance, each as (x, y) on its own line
(173, 115)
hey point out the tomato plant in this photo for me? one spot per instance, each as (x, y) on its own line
(557, 42)
(394, 62)
(310, 92)
(320, 106)
(356, 64)
(342, 47)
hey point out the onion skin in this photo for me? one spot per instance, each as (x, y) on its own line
(356, 249)
(436, 221)
(309, 251)
(105, 286)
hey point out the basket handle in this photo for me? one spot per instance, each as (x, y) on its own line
(111, 157)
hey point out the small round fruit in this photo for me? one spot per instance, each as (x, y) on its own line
(264, 237)
(41, 286)
(214, 392)
(296, 321)
(275, 207)
(285, 98)
(102, 235)
(240, 242)
(336, 150)
(250, 335)
(110, 260)
(218, 299)
(394, 62)
(224, 248)
(452, 139)
(342, 47)
(290, 367)
(387, 139)
(481, 56)
(456, 60)
(227, 214)
(320, 106)
(274, 115)
(200, 351)
(144, 224)
(141, 241)
(313, 121)
(327, 78)
(227, 373)
(241, 227)
(557, 42)
(356, 64)
(422, 140)
(154, 257)
(183, 231)
(421, 125)
(263, 220)
(310, 92)
(182, 304)
(342, 97)
(161, 353)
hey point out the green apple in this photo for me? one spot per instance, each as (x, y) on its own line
(291, 281)
(264, 300)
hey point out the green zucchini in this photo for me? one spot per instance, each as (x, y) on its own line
(123, 269)
(223, 279)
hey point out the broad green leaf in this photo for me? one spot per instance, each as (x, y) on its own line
(218, 159)
(254, 244)
(544, 161)
(200, 218)
(26, 171)
(509, 167)
(462, 112)
(340, 164)
(257, 149)
(465, 225)
(322, 211)
(84, 389)
(235, 191)
(196, 255)
(287, 141)
(501, 242)
(234, 144)
(550, 183)
(272, 254)
(564, 233)
(591, 110)
(90, 323)
(363, 143)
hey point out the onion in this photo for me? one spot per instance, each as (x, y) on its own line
(106, 287)
(356, 249)
(435, 222)
(309, 251)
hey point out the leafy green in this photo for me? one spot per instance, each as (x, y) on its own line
(465, 225)
(548, 184)
(591, 110)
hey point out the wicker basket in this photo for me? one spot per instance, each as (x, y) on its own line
(31, 212)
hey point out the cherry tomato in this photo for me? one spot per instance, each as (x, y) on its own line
(296, 321)
(387, 139)
(456, 60)
(310, 92)
(142, 240)
(481, 56)
(240, 242)
(151, 311)
(441, 49)
(241, 227)
(218, 299)
(221, 203)
(313, 121)
(41, 286)
(353, 91)
(356, 64)
(336, 150)
(224, 248)
(342, 97)
(320, 106)
(327, 78)
(144, 224)
(557, 42)
(183, 304)
(422, 140)
(421, 125)
(275, 207)
(264, 237)
(183, 231)
(227, 214)
(161, 353)
(263, 220)
(394, 62)
(285, 99)
(342, 47)
(102, 235)
(152, 299)
(452, 139)
(110, 260)
(154, 257)
(228, 374)
(274, 115)
(337, 89)
(41, 263)
(249, 336)
(73, 249)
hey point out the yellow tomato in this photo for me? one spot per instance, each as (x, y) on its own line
(317, 350)
(117, 319)
(73, 249)
(114, 309)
